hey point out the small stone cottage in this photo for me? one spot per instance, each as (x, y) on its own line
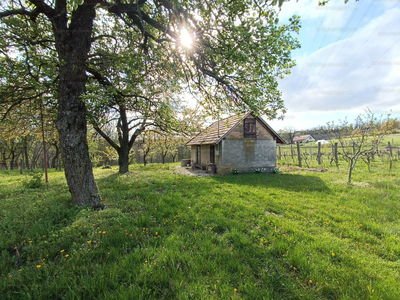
(243, 143)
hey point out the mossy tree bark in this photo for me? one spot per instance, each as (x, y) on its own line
(73, 45)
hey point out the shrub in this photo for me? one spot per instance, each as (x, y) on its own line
(35, 182)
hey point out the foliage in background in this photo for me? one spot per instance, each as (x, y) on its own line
(238, 53)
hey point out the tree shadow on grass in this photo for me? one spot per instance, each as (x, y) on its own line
(206, 230)
(287, 182)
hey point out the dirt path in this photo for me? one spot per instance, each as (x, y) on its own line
(190, 172)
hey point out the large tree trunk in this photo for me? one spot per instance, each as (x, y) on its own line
(73, 45)
(123, 137)
(123, 158)
(55, 157)
(12, 160)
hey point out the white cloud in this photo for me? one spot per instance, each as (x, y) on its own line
(347, 76)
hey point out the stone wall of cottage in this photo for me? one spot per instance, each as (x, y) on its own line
(247, 155)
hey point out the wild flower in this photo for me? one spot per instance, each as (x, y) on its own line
(258, 170)
(38, 266)
(62, 251)
(234, 171)
(276, 170)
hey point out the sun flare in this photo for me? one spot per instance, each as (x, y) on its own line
(186, 39)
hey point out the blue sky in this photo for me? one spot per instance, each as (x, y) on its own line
(349, 61)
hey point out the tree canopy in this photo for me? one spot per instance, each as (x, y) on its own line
(237, 52)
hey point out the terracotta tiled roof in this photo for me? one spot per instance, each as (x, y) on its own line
(211, 135)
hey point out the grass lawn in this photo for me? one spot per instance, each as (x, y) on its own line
(293, 235)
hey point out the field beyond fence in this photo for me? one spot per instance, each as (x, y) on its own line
(330, 155)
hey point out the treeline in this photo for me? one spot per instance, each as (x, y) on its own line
(328, 132)
(27, 152)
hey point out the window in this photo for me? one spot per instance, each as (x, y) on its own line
(250, 128)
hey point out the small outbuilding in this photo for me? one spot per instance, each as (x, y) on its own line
(304, 138)
(244, 143)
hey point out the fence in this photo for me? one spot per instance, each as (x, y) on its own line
(308, 154)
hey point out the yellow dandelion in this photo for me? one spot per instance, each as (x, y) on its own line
(9, 276)
(235, 290)
(66, 255)
(108, 253)
(326, 284)
(104, 232)
(310, 281)
(145, 262)
(89, 242)
(38, 266)
(20, 270)
(62, 251)
(30, 242)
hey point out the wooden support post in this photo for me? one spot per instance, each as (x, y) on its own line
(336, 157)
(390, 150)
(319, 153)
(291, 149)
(298, 154)
(390, 156)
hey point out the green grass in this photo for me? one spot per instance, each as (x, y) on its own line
(294, 235)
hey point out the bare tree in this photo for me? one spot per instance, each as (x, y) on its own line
(364, 139)
(288, 134)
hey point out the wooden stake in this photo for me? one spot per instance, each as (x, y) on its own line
(298, 154)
